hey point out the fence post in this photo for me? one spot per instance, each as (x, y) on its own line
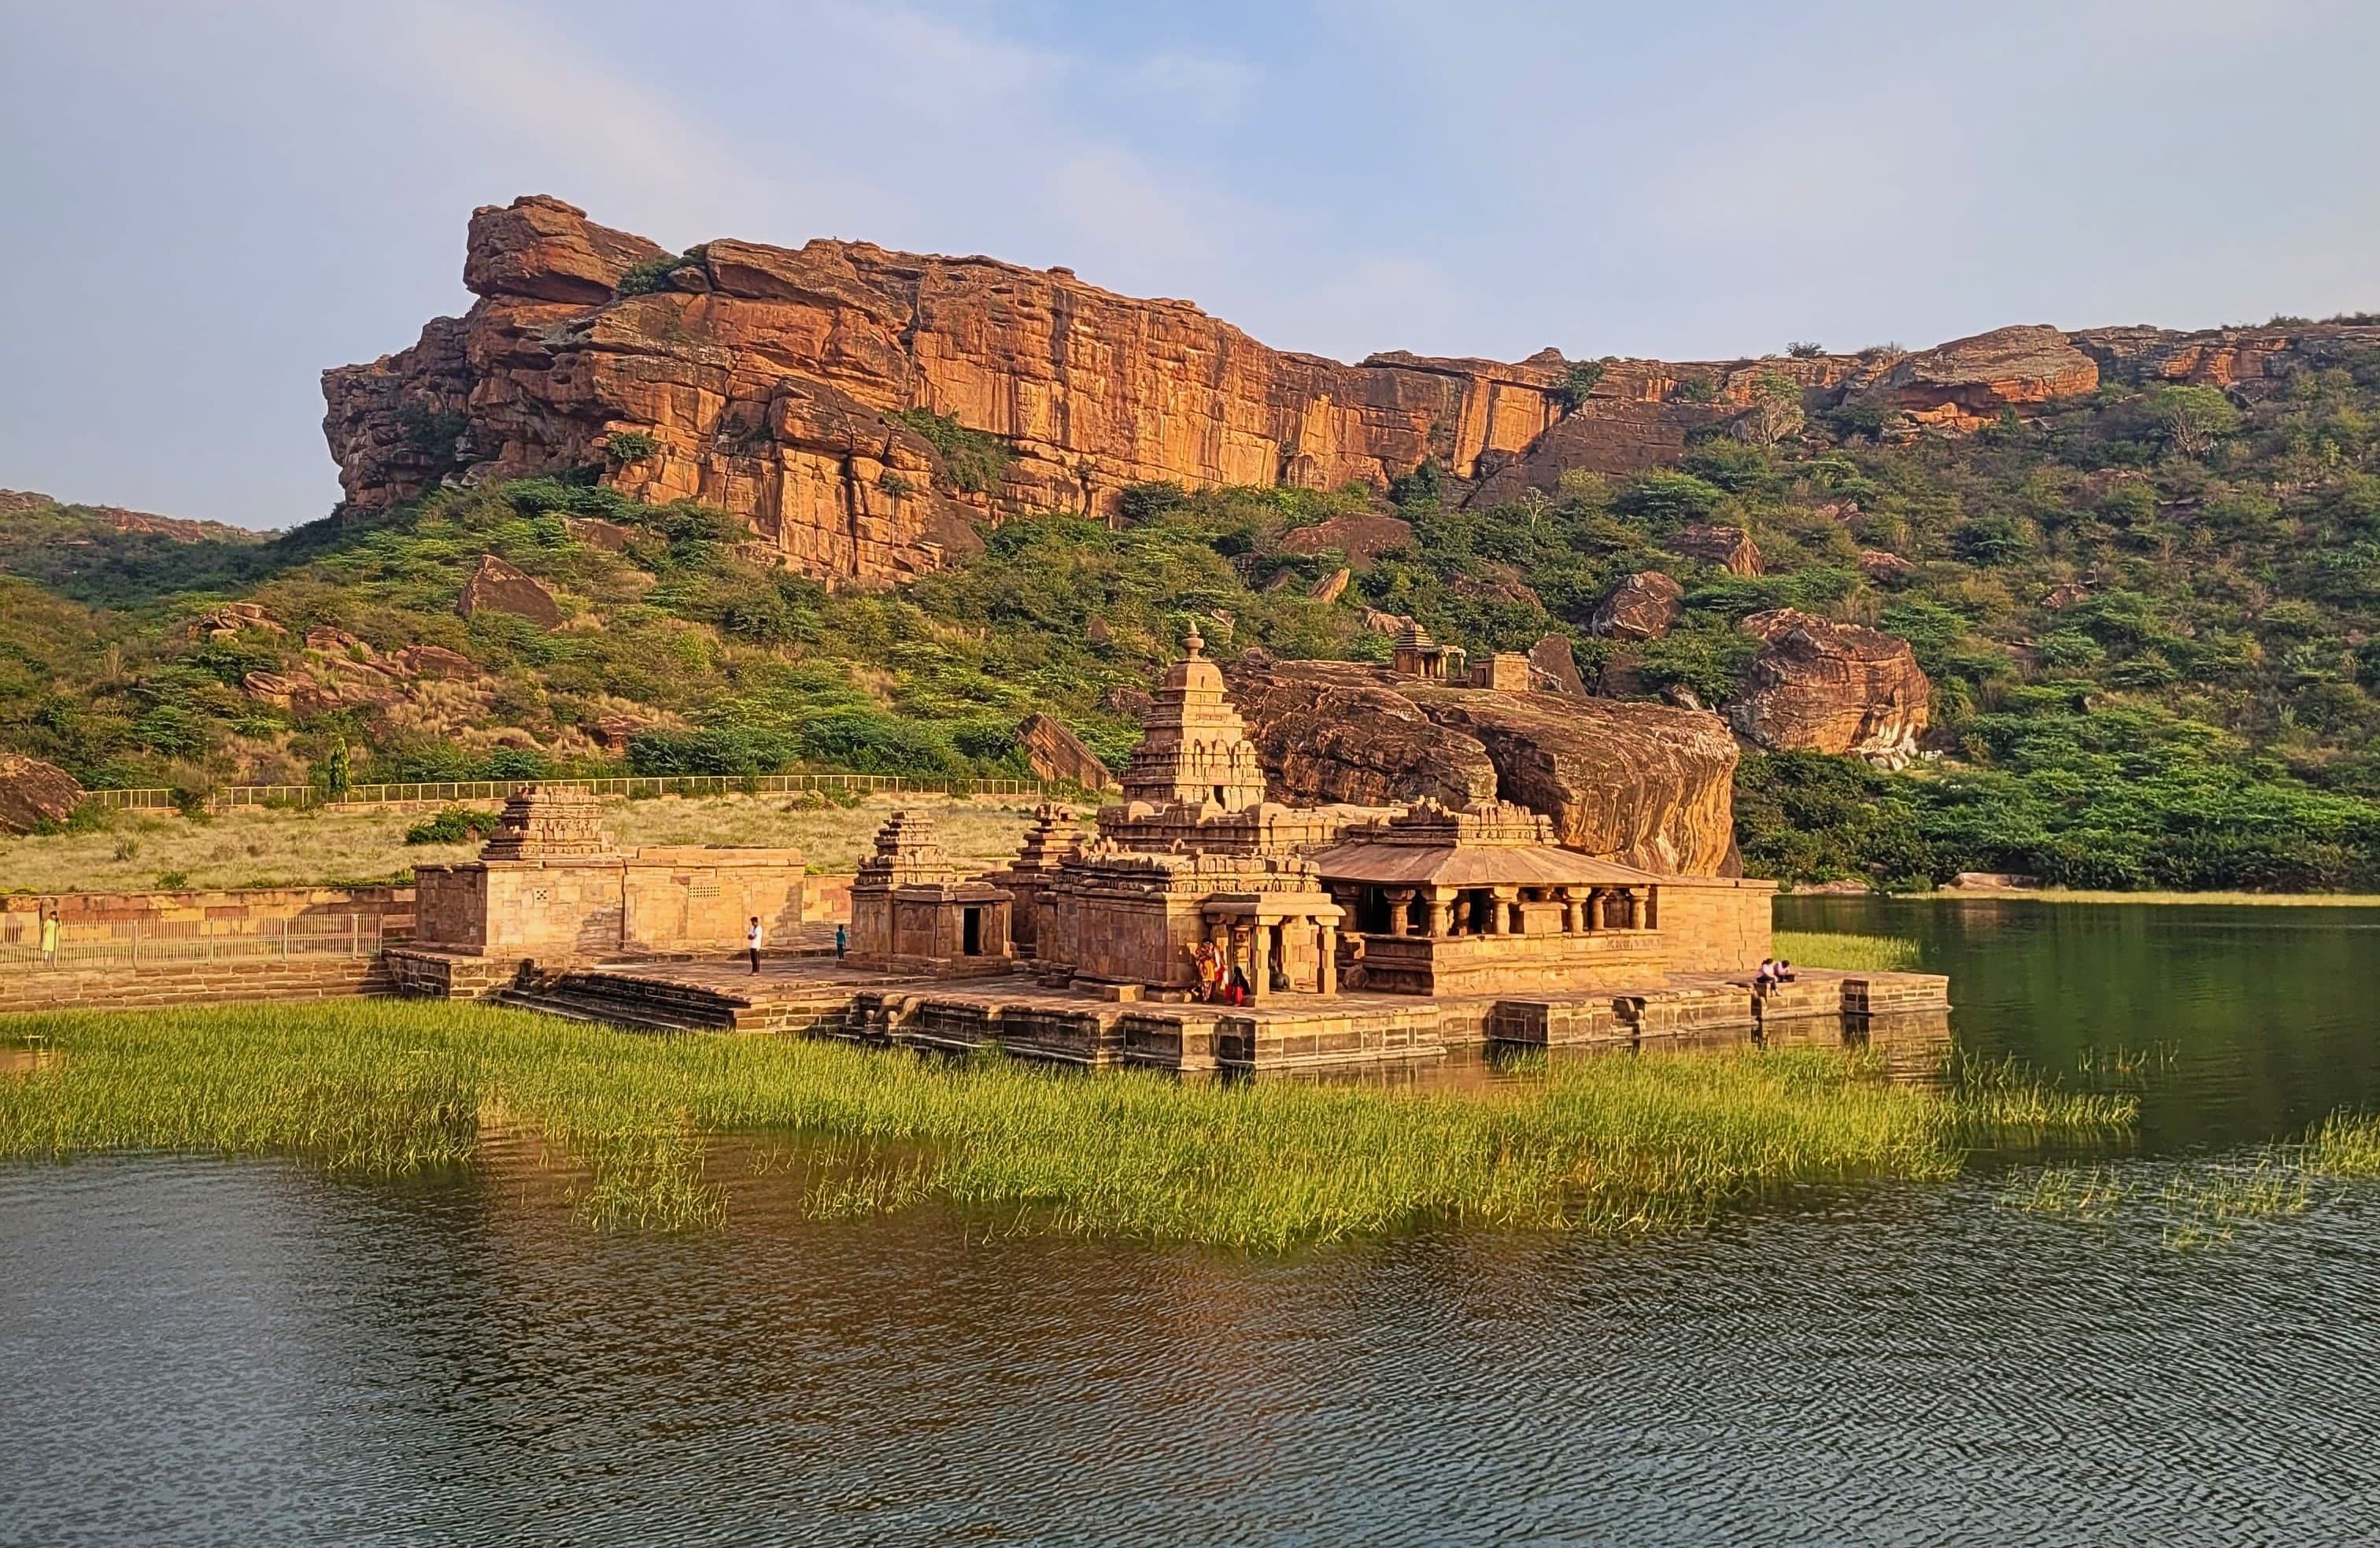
(136, 943)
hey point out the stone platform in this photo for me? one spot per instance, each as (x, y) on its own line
(813, 996)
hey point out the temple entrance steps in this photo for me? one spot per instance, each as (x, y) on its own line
(656, 999)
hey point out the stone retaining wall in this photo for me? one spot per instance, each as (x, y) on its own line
(191, 983)
(258, 909)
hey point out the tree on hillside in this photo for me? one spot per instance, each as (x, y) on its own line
(1776, 410)
(2192, 419)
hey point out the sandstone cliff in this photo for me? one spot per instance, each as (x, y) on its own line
(1641, 783)
(766, 381)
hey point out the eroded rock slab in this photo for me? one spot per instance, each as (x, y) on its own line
(33, 792)
(1056, 753)
(506, 587)
(1820, 686)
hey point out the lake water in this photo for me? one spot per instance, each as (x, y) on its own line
(247, 1352)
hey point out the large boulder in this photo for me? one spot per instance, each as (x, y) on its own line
(501, 587)
(1331, 731)
(1642, 606)
(1055, 752)
(33, 792)
(1729, 548)
(540, 249)
(1554, 662)
(1644, 784)
(1363, 536)
(1820, 686)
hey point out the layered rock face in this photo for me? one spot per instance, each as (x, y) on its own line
(1825, 687)
(764, 377)
(1641, 783)
(764, 381)
(1965, 385)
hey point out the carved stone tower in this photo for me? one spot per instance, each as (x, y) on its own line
(1194, 746)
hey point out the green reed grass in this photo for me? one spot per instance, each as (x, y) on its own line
(1848, 952)
(1610, 1145)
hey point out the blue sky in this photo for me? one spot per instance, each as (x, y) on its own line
(207, 204)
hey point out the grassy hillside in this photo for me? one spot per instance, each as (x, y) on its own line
(2148, 616)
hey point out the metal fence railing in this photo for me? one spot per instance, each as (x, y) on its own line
(149, 943)
(229, 796)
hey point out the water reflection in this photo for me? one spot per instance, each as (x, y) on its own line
(2255, 1020)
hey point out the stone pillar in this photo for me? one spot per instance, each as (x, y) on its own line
(1400, 910)
(1441, 913)
(1626, 907)
(1573, 912)
(1259, 962)
(1326, 977)
(1598, 909)
(1459, 919)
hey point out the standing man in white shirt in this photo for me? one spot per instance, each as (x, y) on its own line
(752, 938)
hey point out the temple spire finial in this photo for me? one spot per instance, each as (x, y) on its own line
(1194, 644)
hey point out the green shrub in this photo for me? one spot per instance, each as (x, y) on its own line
(720, 750)
(454, 825)
(975, 462)
(630, 446)
(1669, 499)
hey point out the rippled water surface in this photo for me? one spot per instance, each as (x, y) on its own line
(209, 1351)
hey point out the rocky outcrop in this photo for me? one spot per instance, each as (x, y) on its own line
(33, 793)
(1055, 752)
(765, 379)
(770, 382)
(1729, 548)
(1331, 731)
(1556, 665)
(1612, 436)
(1363, 538)
(540, 249)
(1641, 783)
(1825, 687)
(1642, 607)
(1965, 385)
(2249, 361)
(501, 587)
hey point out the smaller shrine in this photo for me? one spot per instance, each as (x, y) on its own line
(1049, 844)
(551, 886)
(912, 912)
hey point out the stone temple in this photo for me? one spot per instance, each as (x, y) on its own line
(1199, 928)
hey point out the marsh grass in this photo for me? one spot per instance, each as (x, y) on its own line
(1847, 952)
(2206, 1203)
(1626, 1143)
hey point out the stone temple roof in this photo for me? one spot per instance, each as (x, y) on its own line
(1494, 844)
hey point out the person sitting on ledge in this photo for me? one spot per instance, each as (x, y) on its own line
(1765, 979)
(1784, 971)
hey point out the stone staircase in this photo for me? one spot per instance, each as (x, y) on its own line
(645, 1003)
